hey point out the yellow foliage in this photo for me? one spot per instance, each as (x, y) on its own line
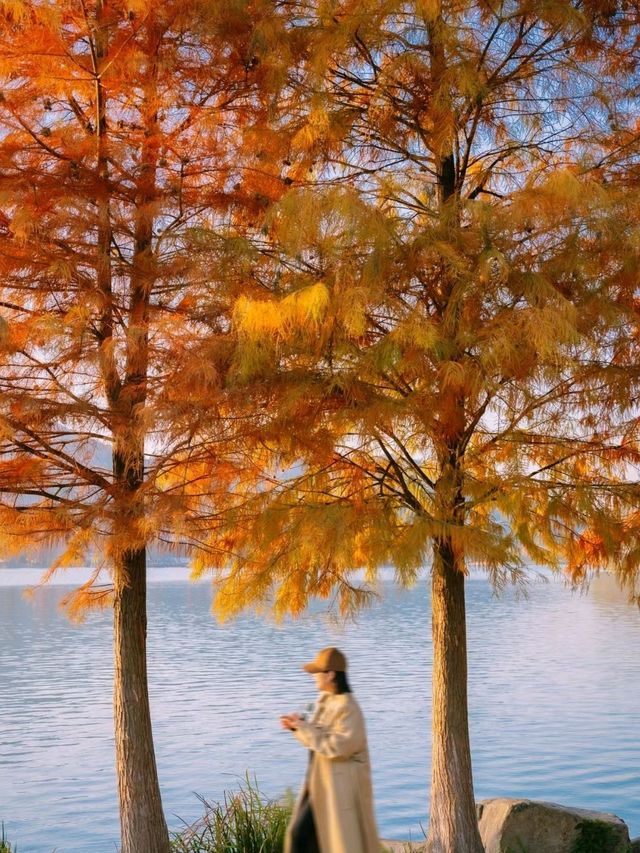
(22, 224)
(428, 9)
(74, 554)
(450, 254)
(307, 305)
(139, 7)
(492, 267)
(256, 318)
(5, 333)
(465, 79)
(316, 127)
(564, 186)
(350, 307)
(88, 596)
(452, 375)
(552, 195)
(16, 11)
(417, 331)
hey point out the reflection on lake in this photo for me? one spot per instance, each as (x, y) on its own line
(555, 708)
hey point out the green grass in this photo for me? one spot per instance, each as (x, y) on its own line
(5, 847)
(245, 823)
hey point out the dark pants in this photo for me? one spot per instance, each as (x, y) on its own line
(303, 831)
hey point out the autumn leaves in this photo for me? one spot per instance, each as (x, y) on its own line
(338, 286)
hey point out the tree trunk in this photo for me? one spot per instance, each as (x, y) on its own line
(453, 826)
(143, 827)
(142, 823)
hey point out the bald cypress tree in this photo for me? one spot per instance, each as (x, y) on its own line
(128, 171)
(446, 351)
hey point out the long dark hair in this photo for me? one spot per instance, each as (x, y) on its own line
(341, 683)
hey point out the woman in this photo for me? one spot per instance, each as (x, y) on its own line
(334, 810)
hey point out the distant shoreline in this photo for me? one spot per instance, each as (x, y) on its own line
(27, 576)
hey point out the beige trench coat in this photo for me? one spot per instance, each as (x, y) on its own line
(338, 778)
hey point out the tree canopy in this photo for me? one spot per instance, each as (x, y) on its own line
(128, 175)
(449, 349)
(463, 301)
(340, 285)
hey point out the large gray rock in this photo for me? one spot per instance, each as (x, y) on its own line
(635, 845)
(527, 826)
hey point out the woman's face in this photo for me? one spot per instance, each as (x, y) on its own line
(325, 680)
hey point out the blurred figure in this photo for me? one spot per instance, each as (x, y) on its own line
(334, 810)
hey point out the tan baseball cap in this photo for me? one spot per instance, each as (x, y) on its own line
(326, 660)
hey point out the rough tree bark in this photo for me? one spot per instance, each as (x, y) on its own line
(142, 821)
(453, 826)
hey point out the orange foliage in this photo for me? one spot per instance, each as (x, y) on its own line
(472, 378)
(135, 162)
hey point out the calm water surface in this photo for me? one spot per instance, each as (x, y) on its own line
(555, 705)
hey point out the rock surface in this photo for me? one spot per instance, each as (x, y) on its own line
(527, 826)
(635, 845)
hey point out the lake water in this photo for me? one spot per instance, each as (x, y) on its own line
(555, 705)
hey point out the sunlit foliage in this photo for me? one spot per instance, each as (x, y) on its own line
(130, 170)
(129, 174)
(465, 393)
(451, 342)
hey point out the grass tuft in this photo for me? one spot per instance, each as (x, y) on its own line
(245, 823)
(5, 847)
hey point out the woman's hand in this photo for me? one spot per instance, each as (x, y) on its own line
(290, 721)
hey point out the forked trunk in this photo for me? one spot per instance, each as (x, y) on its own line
(453, 827)
(142, 822)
